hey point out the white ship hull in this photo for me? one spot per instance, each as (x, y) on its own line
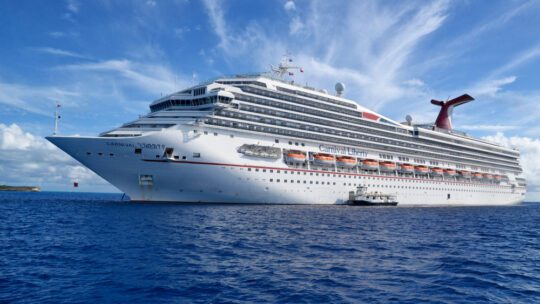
(222, 175)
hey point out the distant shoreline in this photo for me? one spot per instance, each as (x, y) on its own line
(20, 188)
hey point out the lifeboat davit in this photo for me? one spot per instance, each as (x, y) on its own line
(437, 171)
(387, 166)
(406, 168)
(449, 172)
(422, 170)
(346, 161)
(296, 157)
(370, 164)
(323, 159)
(464, 173)
(477, 175)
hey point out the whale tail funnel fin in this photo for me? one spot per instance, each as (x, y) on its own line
(444, 119)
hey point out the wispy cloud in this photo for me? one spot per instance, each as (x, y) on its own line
(32, 99)
(490, 87)
(152, 78)
(73, 6)
(59, 52)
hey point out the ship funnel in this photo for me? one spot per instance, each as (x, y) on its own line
(444, 120)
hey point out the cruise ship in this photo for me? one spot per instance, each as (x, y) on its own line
(264, 140)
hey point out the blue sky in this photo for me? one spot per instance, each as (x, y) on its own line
(105, 61)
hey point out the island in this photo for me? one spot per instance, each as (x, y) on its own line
(20, 188)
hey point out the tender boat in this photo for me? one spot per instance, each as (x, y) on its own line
(477, 175)
(346, 161)
(370, 164)
(406, 168)
(488, 176)
(422, 170)
(497, 177)
(450, 172)
(464, 173)
(363, 198)
(323, 159)
(437, 171)
(296, 157)
(387, 166)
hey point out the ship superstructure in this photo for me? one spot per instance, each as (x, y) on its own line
(258, 139)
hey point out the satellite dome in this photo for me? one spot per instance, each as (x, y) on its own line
(340, 87)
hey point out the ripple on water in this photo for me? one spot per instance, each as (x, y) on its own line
(84, 248)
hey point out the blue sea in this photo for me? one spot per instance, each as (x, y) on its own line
(95, 248)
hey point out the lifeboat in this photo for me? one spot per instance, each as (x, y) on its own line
(477, 175)
(387, 166)
(296, 157)
(437, 171)
(497, 177)
(488, 176)
(449, 172)
(346, 161)
(323, 159)
(370, 164)
(406, 168)
(422, 170)
(464, 173)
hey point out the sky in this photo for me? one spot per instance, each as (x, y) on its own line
(104, 61)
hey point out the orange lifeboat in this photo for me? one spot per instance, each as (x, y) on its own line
(388, 166)
(477, 175)
(449, 172)
(437, 171)
(497, 177)
(464, 173)
(370, 164)
(323, 159)
(406, 168)
(422, 170)
(296, 156)
(346, 161)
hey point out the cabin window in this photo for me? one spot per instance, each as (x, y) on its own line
(196, 155)
(138, 150)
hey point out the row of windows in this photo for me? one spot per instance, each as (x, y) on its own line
(189, 102)
(313, 96)
(288, 124)
(319, 138)
(468, 143)
(298, 100)
(406, 139)
(350, 176)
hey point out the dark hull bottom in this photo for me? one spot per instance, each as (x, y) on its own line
(367, 203)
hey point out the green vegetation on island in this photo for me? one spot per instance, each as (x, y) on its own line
(19, 188)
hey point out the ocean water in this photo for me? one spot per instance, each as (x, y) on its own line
(89, 248)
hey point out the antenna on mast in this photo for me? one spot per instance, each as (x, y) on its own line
(285, 67)
(56, 118)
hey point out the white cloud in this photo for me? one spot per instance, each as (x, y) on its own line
(530, 159)
(289, 6)
(153, 78)
(59, 52)
(57, 34)
(414, 82)
(73, 6)
(296, 25)
(27, 159)
(491, 87)
(33, 99)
